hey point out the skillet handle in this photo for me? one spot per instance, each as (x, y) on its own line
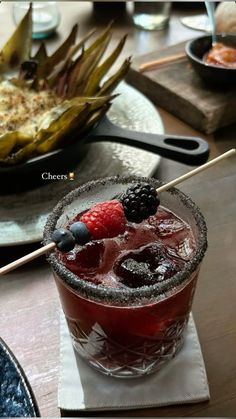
(188, 150)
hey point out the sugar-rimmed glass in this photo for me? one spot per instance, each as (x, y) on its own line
(127, 332)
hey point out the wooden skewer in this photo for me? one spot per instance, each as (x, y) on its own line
(151, 65)
(27, 258)
(196, 171)
(51, 246)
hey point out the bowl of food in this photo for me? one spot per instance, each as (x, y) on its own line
(215, 62)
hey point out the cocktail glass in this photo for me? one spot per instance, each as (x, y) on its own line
(127, 332)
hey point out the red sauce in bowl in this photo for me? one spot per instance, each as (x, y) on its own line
(221, 55)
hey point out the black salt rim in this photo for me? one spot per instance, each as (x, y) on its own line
(123, 296)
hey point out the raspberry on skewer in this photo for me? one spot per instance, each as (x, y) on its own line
(105, 219)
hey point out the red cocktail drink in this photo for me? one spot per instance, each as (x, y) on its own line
(127, 299)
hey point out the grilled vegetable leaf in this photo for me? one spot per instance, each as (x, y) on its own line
(18, 47)
(114, 80)
(99, 72)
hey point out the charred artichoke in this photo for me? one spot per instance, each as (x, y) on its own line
(45, 98)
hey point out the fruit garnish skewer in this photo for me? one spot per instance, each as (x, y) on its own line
(79, 232)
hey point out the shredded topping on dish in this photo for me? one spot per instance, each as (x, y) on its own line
(21, 109)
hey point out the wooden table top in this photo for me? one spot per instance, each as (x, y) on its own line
(29, 313)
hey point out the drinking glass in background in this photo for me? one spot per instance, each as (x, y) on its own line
(151, 16)
(46, 17)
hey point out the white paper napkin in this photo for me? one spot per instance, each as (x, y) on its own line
(182, 380)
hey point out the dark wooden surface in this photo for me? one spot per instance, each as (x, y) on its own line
(175, 87)
(29, 304)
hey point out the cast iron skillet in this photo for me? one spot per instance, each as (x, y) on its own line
(188, 150)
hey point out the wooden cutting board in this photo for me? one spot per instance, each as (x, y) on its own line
(178, 89)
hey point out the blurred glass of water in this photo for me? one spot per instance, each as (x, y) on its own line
(151, 16)
(46, 16)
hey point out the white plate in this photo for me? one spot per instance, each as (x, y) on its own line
(197, 22)
(23, 215)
